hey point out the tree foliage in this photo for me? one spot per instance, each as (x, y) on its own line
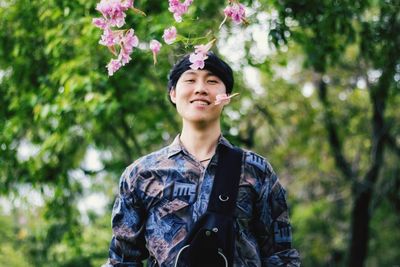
(319, 90)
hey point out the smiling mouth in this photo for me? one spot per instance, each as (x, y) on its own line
(201, 102)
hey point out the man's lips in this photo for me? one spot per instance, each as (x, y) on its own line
(201, 101)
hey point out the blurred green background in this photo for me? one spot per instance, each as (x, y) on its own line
(319, 98)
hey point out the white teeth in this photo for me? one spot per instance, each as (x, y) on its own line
(203, 103)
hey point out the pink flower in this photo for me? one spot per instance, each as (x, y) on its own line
(124, 57)
(114, 11)
(127, 4)
(197, 60)
(155, 47)
(203, 49)
(224, 99)
(237, 12)
(113, 66)
(199, 55)
(178, 8)
(100, 23)
(129, 41)
(108, 38)
(169, 35)
(126, 43)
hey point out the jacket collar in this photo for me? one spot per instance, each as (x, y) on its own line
(177, 147)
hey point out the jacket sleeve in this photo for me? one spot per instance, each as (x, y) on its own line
(127, 247)
(274, 226)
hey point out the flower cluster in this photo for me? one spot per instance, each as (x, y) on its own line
(200, 54)
(113, 12)
(178, 8)
(169, 35)
(126, 43)
(122, 41)
(236, 12)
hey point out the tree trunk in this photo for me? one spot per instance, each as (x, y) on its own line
(360, 229)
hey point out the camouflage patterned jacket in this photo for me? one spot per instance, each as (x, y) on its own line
(162, 194)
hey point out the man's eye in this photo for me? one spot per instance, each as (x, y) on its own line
(212, 81)
(189, 80)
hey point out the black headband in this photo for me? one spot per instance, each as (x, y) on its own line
(213, 63)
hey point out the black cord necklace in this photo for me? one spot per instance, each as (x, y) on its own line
(205, 160)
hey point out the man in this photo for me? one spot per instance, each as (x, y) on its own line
(162, 194)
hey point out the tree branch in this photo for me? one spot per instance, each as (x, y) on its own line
(91, 172)
(266, 113)
(248, 138)
(333, 137)
(361, 213)
(378, 96)
(391, 141)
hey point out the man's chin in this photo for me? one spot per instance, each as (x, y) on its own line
(202, 121)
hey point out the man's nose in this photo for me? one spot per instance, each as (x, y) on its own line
(201, 88)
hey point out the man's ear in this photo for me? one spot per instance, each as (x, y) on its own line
(172, 95)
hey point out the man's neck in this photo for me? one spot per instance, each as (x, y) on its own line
(200, 142)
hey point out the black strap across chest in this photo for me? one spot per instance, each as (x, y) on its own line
(211, 239)
(226, 181)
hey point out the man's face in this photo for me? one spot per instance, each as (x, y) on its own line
(194, 96)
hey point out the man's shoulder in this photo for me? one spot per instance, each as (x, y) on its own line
(257, 162)
(149, 160)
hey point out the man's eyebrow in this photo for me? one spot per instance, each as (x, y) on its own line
(211, 74)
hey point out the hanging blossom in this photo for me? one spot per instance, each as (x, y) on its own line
(113, 12)
(235, 11)
(109, 38)
(200, 54)
(100, 23)
(224, 99)
(169, 35)
(155, 47)
(113, 15)
(126, 43)
(121, 42)
(178, 8)
(113, 66)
